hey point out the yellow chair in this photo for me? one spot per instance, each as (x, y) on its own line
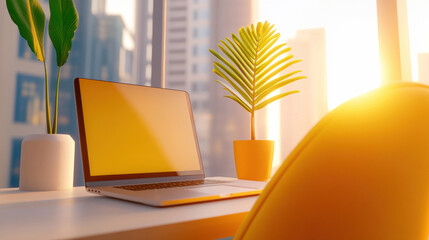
(361, 173)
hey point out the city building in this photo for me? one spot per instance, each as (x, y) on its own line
(187, 61)
(22, 96)
(98, 52)
(423, 64)
(229, 120)
(300, 112)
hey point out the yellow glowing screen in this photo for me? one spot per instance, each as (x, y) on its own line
(133, 129)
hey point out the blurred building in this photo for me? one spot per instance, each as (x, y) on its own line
(22, 96)
(98, 51)
(423, 63)
(300, 112)
(187, 61)
(229, 120)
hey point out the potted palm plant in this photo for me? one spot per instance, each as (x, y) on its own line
(47, 160)
(253, 69)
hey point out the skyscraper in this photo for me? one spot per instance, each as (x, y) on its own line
(22, 96)
(229, 120)
(188, 61)
(423, 62)
(98, 51)
(300, 112)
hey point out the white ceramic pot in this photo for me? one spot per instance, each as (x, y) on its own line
(47, 162)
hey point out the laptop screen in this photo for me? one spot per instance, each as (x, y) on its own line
(135, 131)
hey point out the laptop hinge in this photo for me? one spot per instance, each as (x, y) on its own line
(142, 181)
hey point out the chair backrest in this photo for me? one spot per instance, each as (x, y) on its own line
(361, 173)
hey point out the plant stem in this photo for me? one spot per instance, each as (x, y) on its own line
(252, 114)
(48, 112)
(54, 129)
(252, 127)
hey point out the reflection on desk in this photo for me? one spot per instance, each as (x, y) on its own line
(78, 214)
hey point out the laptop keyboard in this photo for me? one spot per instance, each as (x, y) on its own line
(148, 186)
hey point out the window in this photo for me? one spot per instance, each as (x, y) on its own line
(114, 42)
(24, 50)
(418, 22)
(15, 162)
(339, 53)
(198, 68)
(201, 32)
(200, 50)
(202, 15)
(29, 103)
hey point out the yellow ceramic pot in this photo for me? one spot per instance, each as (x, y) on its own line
(253, 159)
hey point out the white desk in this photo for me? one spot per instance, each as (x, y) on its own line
(78, 214)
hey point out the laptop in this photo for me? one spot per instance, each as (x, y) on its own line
(139, 144)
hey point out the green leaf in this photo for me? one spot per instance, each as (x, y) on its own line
(267, 34)
(239, 99)
(246, 94)
(261, 84)
(239, 102)
(251, 62)
(277, 70)
(245, 76)
(268, 44)
(247, 41)
(269, 88)
(251, 36)
(242, 55)
(28, 15)
(268, 71)
(276, 49)
(62, 26)
(243, 47)
(232, 71)
(272, 99)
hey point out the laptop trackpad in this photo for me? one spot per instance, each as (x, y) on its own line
(219, 189)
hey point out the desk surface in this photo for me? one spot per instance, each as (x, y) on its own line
(78, 214)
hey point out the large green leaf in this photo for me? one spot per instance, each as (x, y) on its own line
(28, 15)
(62, 26)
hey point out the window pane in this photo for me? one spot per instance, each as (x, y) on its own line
(418, 21)
(112, 43)
(338, 44)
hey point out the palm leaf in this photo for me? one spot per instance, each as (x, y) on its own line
(237, 80)
(242, 92)
(243, 56)
(260, 84)
(278, 70)
(274, 98)
(239, 102)
(245, 100)
(243, 47)
(251, 66)
(28, 15)
(277, 51)
(62, 26)
(246, 75)
(273, 69)
(271, 88)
